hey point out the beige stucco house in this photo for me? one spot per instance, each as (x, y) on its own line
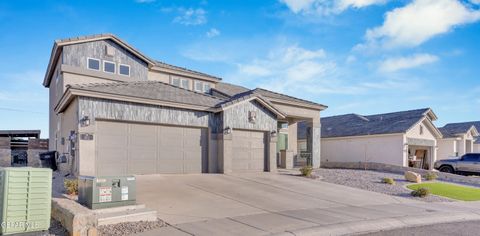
(406, 138)
(458, 139)
(476, 146)
(115, 111)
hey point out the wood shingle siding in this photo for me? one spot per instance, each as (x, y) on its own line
(116, 110)
(77, 54)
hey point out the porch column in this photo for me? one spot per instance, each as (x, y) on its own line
(272, 153)
(313, 141)
(292, 136)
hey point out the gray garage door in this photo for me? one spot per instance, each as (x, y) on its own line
(248, 151)
(125, 148)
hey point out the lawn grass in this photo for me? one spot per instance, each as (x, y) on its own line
(453, 191)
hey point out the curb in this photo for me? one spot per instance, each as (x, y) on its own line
(371, 226)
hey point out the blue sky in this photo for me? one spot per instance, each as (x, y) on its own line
(356, 56)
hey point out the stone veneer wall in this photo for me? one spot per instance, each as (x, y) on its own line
(399, 170)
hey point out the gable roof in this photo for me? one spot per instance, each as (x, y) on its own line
(454, 129)
(231, 90)
(388, 123)
(154, 90)
(248, 96)
(159, 93)
(58, 45)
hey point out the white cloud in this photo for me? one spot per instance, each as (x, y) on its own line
(213, 33)
(294, 70)
(419, 21)
(191, 16)
(401, 63)
(326, 7)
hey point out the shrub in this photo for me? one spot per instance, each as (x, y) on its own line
(431, 176)
(421, 192)
(306, 171)
(388, 181)
(71, 186)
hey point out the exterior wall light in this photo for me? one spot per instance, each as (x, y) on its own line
(273, 133)
(85, 121)
(228, 130)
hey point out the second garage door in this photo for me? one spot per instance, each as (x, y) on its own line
(126, 148)
(248, 151)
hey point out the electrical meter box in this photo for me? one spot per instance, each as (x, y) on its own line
(105, 192)
(26, 198)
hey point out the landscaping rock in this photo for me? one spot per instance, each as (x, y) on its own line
(371, 181)
(413, 177)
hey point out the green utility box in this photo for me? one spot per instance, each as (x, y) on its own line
(105, 192)
(26, 199)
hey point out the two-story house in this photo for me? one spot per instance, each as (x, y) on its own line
(115, 111)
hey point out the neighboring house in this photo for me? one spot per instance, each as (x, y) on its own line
(21, 148)
(406, 138)
(115, 111)
(476, 145)
(458, 139)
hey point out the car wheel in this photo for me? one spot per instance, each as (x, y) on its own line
(446, 169)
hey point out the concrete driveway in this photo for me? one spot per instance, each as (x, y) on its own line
(266, 203)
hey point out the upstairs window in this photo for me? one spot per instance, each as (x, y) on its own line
(124, 70)
(206, 88)
(198, 86)
(175, 82)
(109, 67)
(185, 84)
(93, 64)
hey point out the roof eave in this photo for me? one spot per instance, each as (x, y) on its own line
(58, 46)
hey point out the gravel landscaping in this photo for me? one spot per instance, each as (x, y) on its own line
(56, 229)
(129, 228)
(372, 181)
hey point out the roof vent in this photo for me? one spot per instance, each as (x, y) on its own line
(109, 51)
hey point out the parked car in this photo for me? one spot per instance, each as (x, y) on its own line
(467, 164)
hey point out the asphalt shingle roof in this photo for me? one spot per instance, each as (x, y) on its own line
(232, 90)
(152, 90)
(357, 125)
(452, 129)
(157, 63)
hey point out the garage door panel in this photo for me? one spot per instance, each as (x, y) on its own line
(147, 149)
(248, 151)
(112, 128)
(142, 167)
(170, 166)
(112, 141)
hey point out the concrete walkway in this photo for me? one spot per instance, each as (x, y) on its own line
(265, 203)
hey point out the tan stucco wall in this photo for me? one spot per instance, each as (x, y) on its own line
(388, 149)
(476, 148)
(447, 148)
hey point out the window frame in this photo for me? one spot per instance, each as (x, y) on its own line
(114, 67)
(209, 87)
(201, 90)
(95, 59)
(175, 78)
(188, 83)
(129, 69)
